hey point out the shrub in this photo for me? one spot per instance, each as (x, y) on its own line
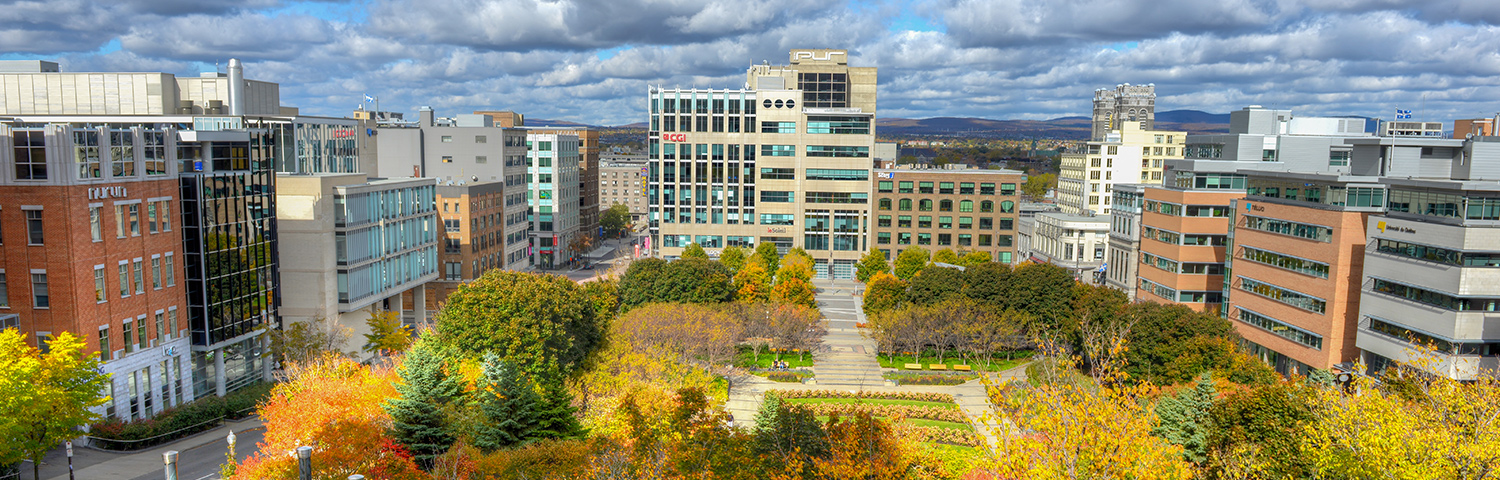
(181, 421)
(784, 377)
(948, 436)
(888, 411)
(931, 379)
(915, 396)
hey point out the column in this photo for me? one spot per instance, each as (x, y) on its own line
(219, 371)
(419, 303)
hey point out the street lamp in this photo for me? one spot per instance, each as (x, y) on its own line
(231, 443)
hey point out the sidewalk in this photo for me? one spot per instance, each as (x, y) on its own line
(94, 464)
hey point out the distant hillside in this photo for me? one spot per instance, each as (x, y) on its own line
(542, 122)
(1072, 127)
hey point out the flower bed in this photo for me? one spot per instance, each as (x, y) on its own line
(946, 435)
(788, 377)
(917, 396)
(888, 411)
(929, 379)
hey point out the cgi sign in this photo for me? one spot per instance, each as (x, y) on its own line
(674, 137)
(810, 55)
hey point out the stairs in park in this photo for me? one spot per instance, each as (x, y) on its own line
(847, 359)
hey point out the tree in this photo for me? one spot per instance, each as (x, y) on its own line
(799, 252)
(871, 264)
(554, 411)
(769, 256)
(687, 280)
(934, 284)
(507, 405)
(689, 332)
(418, 418)
(1036, 186)
(946, 255)
(527, 319)
(694, 251)
(989, 283)
(910, 261)
(46, 396)
(1185, 419)
(787, 433)
(733, 258)
(794, 290)
(615, 219)
(752, 283)
(1257, 433)
(796, 327)
(387, 334)
(580, 244)
(1044, 290)
(303, 341)
(795, 267)
(604, 295)
(883, 292)
(974, 258)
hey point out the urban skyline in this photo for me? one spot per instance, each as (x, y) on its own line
(590, 63)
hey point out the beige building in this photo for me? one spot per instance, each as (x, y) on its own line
(622, 180)
(790, 151)
(965, 210)
(1129, 154)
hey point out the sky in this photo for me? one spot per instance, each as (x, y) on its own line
(591, 61)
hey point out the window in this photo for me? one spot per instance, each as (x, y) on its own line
(127, 333)
(883, 221)
(86, 153)
(447, 139)
(34, 227)
(903, 238)
(945, 206)
(966, 206)
(104, 353)
(447, 159)
(945, 188)
(945, 222)
(31, 154)
(138, 271)
(966, 188)
(986, 223)
(817, 124)
(776, 219)
(1282, 329)
(1007, 206)
(119, 221)
(886, 186)
(39, 290)
(1338, 158)
(4, 292)
(905, 204)
(837, 197)
(885, 204)
(925, 205)
(1289, 297)
(122, 152)
(883, 238)
(778, 150)
(778, 127)
(838, 174)
(924, 221)
(906, 187)
(135, 219)
(155, 273)
(1283, 227)
(986, 206)
(776, 197)
(151, 217)
(984, 240)
(99, 283)
(1007, 189)
(965, 222)
(778, 174)
(1285, 262)
(965, 239)
(95, 232)
(140, 333)
(924, 187)
(986, 189)
(924, 239)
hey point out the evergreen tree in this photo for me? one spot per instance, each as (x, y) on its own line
(872, 263)
(1185, 419)
(769, 256)
(783, 431)
(555, 410)
(694, 250)
(507, 406)
(417, 414)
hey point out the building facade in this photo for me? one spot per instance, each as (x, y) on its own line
(556, 222)
(1125, 104)
(785, 161)
(354, 246)
(966, 210)
(589, 174)
(1074, 242)
(1122, 266)
(1183, 236)
(622, 181)
(1126, 155)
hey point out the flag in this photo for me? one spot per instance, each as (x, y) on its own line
(369, 98)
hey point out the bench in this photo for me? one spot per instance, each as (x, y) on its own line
(937, 366)
(913, 366)
(962, 368)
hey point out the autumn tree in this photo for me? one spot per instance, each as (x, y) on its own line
(795, 327)
(946, 255)
(387, 334)
(883, 292)
(507, 405)
(604, 296)
(872, 263)
(690, 332)
(796, 266)
(694, 251)
(298, 342)
(1036, 186)
(45, 397)
(753, 282)
(794, 290)
(1257, 433)
(733, 258)
(769, 256)
(418, 416)
(527, 319)
(974, 258)
(910, 261)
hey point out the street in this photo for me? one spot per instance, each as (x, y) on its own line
(202, 463)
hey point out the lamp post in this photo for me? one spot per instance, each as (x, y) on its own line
(231, 445)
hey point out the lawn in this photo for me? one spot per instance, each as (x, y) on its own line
(999, 363)
(872, 401)
(939, 423)
(746, 359)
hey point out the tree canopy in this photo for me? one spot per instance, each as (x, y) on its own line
(872, 263)
(528, 319)
(910, 261)
(651, 280)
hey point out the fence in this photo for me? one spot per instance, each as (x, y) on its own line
(113, 445)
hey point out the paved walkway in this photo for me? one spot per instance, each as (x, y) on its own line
(847, 362)
(207, 448)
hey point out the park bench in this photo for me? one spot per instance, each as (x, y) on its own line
(962, 368)
(937, 366)
(913, 366)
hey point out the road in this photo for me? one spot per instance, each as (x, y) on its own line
(202, 463)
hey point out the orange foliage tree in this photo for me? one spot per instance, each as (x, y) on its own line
(333, 405)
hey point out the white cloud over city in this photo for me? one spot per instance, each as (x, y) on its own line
(591, 61)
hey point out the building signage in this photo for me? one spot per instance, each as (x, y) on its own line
(885, 175)
(775, 229)
(1384, 228)
(343, 133)
(809, 55)
(102, 193)
(674, 137)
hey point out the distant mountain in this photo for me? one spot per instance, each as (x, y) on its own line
(1191, 116)
(637, 125)
(542, 122)
(1071, 127)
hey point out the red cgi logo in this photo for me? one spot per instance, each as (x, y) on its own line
(674, 137)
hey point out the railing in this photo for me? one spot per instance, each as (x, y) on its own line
(113, 445)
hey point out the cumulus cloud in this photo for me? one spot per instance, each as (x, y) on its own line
(590, 61)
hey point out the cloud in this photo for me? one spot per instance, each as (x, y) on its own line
(247, 35)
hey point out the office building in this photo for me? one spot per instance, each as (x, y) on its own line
(622, 181)
(1411, 129)
(588, 174)
(1125, 104)
(1074, 242)
(1125, 155)
(1121, 267)
(792, 150)
(462, 151)
(557, 240)
(965, 210)
(474, 240)
(1476, 127)
(1265, 139)
(1183, 235)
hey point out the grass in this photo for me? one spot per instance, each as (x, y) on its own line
(999, 363)
(872, 401)
(746, 359)
(939, 423)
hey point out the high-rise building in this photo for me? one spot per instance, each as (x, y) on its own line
(1183, 234)
(184, 167)
(1125, 104)
(738, 167)
(622, 181)
(552, 165)
(966, 210)
(1122, 263)
(588, 175)
(1125, 155)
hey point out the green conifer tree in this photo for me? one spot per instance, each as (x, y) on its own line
(1185, 419)
(507, 406)
(555, 410)
(417, 416)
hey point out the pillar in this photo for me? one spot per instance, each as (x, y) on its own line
(219, 371)
(419, 303)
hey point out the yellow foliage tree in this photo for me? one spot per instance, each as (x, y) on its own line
(45, 397)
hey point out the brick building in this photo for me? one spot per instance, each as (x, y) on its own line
(967, 210)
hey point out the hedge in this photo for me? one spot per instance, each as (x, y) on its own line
(178, 422)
